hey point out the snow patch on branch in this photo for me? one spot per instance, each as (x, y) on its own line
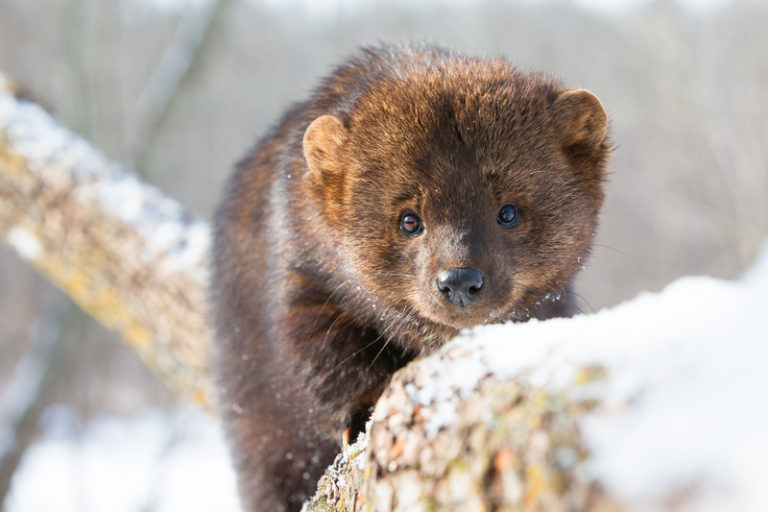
(175, 240)
(25, 243)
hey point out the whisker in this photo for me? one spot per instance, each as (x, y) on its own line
(328, 331)
(538, 260)
(409, 313)
(326, 302)
(356, 353)
(394, 326)
(348, 320)
(401, 296)
(612, 249)
(379, 352)
(518, 286)
(582, 298)
(578, 309)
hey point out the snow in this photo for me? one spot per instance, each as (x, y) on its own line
(177, 241)
(24, 242)
(683, 409)
(23, 385)
(158, 460)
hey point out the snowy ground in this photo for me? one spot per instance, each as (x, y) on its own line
(158, 461)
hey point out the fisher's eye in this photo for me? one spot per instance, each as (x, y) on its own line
(411, 224)
(509, 214)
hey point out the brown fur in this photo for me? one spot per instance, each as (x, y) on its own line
(319, 297)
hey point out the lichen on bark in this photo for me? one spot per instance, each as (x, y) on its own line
(510, 447)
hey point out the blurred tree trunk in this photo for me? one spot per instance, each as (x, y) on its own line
(190, 45)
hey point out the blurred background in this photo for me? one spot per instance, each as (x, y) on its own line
(178, 90)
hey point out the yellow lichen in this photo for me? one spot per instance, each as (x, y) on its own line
(11, 163)
(539, 402)
(200, 397)
(589, 374)
(534, 483)
(98, 299)
(138, 335)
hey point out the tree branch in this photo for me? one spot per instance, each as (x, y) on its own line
(129, 256)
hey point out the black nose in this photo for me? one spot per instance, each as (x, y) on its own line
(460, 286)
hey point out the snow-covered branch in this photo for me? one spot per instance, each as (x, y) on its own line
(128, 255)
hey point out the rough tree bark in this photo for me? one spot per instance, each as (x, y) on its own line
(495, 444)
(502, 425)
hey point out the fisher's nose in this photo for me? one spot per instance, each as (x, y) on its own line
(460, 286)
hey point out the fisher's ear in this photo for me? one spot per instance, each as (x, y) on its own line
(581, 119)
(323, 141)
(582, 125)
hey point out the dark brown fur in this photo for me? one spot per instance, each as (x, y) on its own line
(319, 297)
